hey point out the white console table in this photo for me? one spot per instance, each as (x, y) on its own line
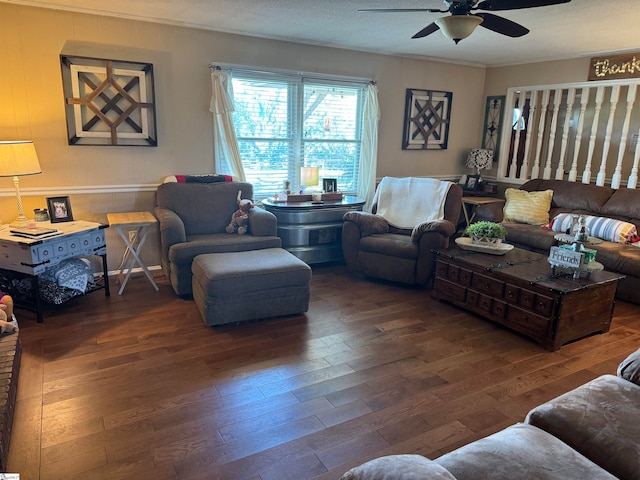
(31, 256)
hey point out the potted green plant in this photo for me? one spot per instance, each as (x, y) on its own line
(490, 234)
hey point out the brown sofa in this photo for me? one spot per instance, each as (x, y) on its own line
(590, 433)
(578, 198)
(374, 248)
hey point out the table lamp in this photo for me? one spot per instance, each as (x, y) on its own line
(17, 158)
(309, 176)
(480, 158)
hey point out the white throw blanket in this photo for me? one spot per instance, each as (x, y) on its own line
(406, 202)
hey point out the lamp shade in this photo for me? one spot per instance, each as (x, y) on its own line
(480, 158)
(457, 27)
(18, 158)
(310, 176)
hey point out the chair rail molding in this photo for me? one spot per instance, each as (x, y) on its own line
(79, 190)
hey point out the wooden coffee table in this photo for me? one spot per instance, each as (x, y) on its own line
(518, 290)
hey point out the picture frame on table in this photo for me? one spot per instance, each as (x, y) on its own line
(59, 209)
(330, 185)
(472, 183)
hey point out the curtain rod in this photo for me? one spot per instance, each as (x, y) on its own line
(276, 71)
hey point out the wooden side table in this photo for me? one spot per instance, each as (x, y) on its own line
(140, 223)
(469, 205)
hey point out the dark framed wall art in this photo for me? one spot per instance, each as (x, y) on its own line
(109, 102)
(426, 119)
(493, 117)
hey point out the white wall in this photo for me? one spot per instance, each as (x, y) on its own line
(499, 79)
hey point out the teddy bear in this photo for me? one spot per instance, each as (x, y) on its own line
(240, 218)
(6, 323)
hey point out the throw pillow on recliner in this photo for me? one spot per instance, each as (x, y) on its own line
(527, 207)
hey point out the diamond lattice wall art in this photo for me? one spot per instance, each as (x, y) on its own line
(109, 102)
(426, 124)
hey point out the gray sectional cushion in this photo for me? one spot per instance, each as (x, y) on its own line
(520, 452)
(398, 467)
(599, 419)
(184, 253)
(629, 368)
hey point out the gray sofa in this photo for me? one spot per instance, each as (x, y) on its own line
(193, 218)
(589, 433)
(578, 198)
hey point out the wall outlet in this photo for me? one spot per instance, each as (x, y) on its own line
(132, 236)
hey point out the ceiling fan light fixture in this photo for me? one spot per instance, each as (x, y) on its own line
(457, 27)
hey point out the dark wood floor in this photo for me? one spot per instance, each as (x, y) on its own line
(136, 387)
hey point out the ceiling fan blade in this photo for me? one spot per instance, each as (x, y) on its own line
(428, 30)
(502, 25)
(496, 5)
(395, 10)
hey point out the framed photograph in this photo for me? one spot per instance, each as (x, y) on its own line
(426, 119)
(59, 209)
(330, 185)
(472, 183)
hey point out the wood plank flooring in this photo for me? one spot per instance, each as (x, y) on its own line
(137, 387)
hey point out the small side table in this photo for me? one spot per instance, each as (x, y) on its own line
(471, 203)
(313, 231)
(124, 222)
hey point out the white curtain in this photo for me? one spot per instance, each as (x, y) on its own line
(369, 156)
(225, 142)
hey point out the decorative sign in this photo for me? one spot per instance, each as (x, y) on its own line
(426, 120)
(493, 124)
(615, 67)
(559, 257)
(109, 102)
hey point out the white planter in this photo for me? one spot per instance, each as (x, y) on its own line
(486, 241)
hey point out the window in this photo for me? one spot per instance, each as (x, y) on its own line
(287, 122)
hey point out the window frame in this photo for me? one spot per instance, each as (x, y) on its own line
(296, 83)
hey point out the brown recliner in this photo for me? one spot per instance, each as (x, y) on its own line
(374, 248)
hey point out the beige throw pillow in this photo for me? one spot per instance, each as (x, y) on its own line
(527, 207)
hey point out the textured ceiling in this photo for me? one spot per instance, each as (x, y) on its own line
(576, 29)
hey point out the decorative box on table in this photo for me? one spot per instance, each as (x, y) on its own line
(326, 197)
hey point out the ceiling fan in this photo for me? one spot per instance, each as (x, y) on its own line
(461, 23)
